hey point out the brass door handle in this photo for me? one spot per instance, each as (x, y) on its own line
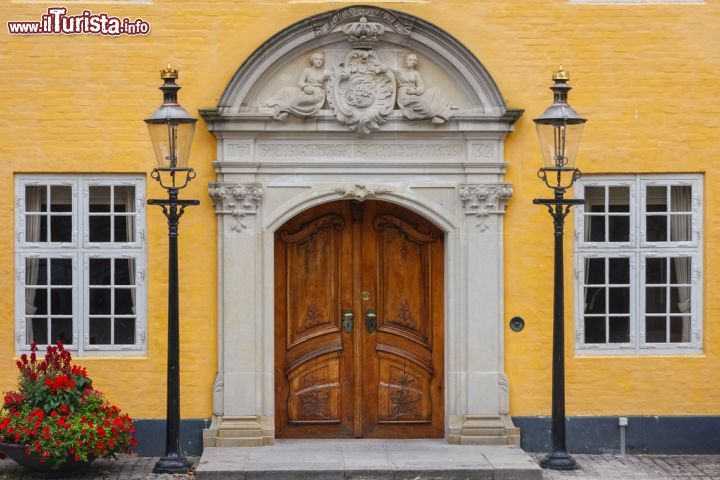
(347, 320)
(371, 321)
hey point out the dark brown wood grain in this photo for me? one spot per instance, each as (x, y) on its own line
(387, 383)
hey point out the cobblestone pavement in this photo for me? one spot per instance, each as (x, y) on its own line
(595, 467)
(645, 467)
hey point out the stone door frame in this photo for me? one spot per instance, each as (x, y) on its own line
(453, 175)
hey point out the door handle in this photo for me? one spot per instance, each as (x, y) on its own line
(347, 320)
(371, 321)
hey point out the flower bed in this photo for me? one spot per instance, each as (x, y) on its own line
(58, 416)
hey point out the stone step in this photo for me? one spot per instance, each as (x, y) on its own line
(367, 460)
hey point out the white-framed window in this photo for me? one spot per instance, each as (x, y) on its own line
(638, 264)
(80, 262)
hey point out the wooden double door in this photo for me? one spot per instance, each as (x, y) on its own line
(359, 323)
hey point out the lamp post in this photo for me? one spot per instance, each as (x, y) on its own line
(559, 129)
(171, 131)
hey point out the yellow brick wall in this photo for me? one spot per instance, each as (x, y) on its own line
(645, 76)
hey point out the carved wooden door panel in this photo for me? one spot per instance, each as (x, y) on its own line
(314, 364)
(403, 260)
(381, 374)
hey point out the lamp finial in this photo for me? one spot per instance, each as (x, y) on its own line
(168, 72)
(561, 75)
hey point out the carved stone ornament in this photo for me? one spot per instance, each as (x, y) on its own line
(482, 200)
(236, 199)
(396, 24)
(361, 92)
(360, 191)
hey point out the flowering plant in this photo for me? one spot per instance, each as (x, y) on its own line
(57, 414)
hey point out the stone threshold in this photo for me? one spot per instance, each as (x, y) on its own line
(365, 459)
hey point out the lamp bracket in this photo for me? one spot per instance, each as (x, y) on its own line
(172, 172)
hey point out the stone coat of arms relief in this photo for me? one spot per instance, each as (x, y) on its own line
(362, 91)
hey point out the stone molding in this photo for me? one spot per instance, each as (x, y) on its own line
(236, 199)
(481, 200)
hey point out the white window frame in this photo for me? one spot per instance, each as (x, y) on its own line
(638, 249)
(81, 250)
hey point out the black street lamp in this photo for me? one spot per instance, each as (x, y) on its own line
(171, 131)
(559, 129)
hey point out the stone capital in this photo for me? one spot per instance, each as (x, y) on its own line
(236, 199)
(481, 200)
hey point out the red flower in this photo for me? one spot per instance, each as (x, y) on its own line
(60, 382)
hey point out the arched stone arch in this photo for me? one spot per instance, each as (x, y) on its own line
(451, 172)
(440, 216)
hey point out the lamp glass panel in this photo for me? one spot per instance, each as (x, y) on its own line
(559, 144)
(172, 136)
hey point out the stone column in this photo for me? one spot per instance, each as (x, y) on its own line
(237, 420)
(486, 420)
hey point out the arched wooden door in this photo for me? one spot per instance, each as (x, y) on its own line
(359, 323)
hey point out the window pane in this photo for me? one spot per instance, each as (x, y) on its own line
(100, 271)
(680, 300)
(619, 228)
(36, 301)
(100, 229)
(61, 271)
(61, 330)
(99, 301)
(124, 331)
(35, 271)
(99, 331)
(61, 228)
(595, 330)
(35, 228)
(619, 300)
(619, 329)
(619, 199)
(595, 229)
(124, 228)
(124, 199)
(656, 228)
(656, 199)
(595, 300)
(60, 198)
(99, 199)
(124, 301)
(594, 271)
(656, 329)
(680, 329)
(61, 301)
(680, 270)
(655, 300)
(36, 198)
(594, 199)
(681, 228)
(125, 271)
(655, 270)
(681, 198)
(37, 331)
(619, 271)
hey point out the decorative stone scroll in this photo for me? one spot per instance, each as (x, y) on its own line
(483, 199)
(236, 199)
(360, 192)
